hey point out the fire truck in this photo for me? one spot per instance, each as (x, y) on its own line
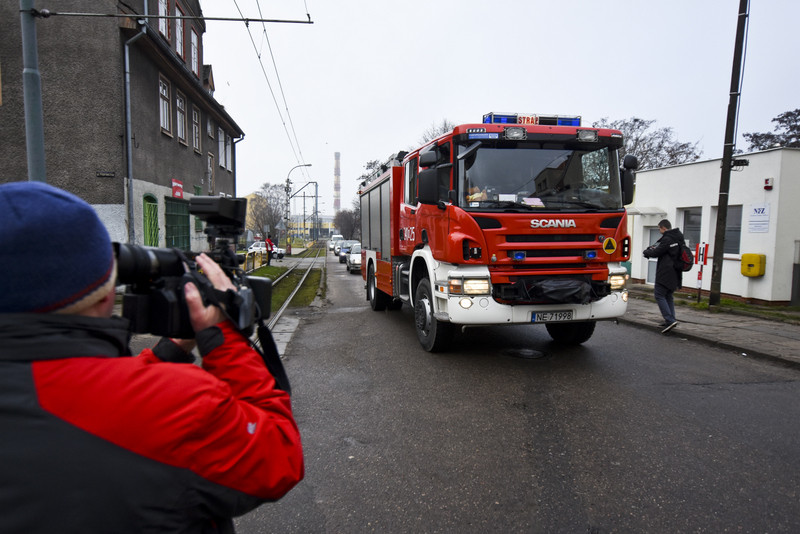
(519, 219)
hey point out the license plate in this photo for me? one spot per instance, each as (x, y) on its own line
(550, 317)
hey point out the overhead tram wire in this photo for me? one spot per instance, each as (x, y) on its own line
(280, 84)
(296, 151)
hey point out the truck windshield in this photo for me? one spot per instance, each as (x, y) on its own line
(529, 177)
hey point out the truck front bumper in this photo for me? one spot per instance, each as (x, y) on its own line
(484, 310)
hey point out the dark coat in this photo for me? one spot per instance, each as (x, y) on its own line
(97, 441)
(666, 250)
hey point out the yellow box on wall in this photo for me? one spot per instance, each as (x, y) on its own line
(754, 264)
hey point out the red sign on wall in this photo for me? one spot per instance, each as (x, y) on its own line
(177, 189)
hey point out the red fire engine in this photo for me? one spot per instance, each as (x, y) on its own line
(519, 219)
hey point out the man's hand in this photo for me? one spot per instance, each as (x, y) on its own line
(200, 315)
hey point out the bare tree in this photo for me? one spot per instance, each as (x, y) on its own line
(785, 134)
(654, 147)
(266, 209)
(345, 221)
(434, 131)
(370, 167)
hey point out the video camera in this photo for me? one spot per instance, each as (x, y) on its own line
(154, 300)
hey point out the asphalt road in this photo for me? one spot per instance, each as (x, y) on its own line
(508, 432)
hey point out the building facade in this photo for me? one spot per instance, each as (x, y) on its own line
(762, 223)
(130, 121)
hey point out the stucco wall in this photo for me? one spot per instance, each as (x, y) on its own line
(664, 193)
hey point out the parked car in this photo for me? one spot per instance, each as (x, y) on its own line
(258, 246)
(344, 248)
(354, 258)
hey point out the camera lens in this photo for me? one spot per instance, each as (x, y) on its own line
(142, 264)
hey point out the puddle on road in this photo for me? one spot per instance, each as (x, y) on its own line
(526, 354)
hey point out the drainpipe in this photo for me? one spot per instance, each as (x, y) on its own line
(235, 166)
(32, 94)
(129, 130)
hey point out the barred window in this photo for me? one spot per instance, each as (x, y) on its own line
(177, 223)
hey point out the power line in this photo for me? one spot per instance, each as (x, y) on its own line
(45, 13)
(269, 85)
(280, 84)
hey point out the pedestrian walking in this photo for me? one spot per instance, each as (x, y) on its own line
(270, 248)
(669, 276)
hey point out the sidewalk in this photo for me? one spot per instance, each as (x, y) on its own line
(750, 336)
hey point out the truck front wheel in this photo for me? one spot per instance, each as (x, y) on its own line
(433, 335)
(377, 298)
(571, 333)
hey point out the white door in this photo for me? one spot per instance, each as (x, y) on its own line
(654, 234)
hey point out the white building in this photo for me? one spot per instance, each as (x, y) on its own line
(763, 218)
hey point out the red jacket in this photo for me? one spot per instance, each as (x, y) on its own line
(93, 441)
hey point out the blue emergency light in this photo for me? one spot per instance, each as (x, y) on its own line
(523, 118)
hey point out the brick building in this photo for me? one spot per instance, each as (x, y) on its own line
(137, 160)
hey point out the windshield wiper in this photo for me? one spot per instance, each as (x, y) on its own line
(506, 204)
(577, 203)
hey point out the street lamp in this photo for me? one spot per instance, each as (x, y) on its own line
(288, 195)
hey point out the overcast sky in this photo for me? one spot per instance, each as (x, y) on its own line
(368, 77)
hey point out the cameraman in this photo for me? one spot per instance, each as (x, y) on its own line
(94, 440)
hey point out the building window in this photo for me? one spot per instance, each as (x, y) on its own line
(210, 173)
(195, 53)
(228, 155)
(691, 225)
(733, 230)
(198, 222)
(210, 127)
(196, 129)
(180, 25)
(164, 99)
(150, 221)
(163, 22)
(180, 105)
(221, 147)
(177, 223)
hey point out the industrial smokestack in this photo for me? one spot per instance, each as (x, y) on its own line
(337, 184)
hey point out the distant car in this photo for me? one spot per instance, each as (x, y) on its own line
(354, 258)
(334, 240)
(344, 248)
(258, 246)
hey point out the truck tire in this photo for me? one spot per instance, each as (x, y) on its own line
(571, 333)
(377, 298)
(433, 335)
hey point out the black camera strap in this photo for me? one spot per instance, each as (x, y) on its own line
(272, 359)
(228, 300)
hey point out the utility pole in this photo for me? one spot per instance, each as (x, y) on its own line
(288, 190)
(32, 93)
(727, 155)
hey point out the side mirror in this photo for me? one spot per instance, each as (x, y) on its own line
(628, 186)
(428, 159)
(427, 186)
(629, 165)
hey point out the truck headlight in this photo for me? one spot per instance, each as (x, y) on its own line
(468, 286)
(617, 281)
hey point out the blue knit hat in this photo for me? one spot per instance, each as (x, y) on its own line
(55, 254)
